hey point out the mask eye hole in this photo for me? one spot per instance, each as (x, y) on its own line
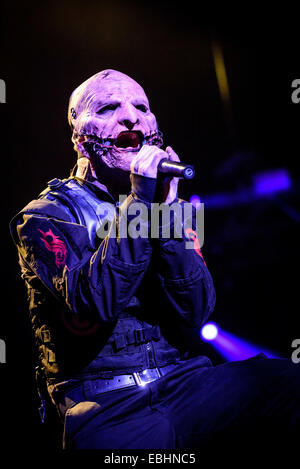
(109, 107)
(141, 107)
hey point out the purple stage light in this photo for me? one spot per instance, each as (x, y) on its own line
(195, 201)
(263, 184)
(232, 348)
(272, 181)
(209, 331)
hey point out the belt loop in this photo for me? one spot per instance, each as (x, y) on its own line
(87, 389)
(137, 379)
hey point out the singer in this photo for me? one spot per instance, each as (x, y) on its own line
(113, 317)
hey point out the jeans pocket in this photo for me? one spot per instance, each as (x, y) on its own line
(76, 418)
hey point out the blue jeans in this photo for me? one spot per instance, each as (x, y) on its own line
(192, 406)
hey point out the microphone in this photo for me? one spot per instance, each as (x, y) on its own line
(176, 169)
(165, 166)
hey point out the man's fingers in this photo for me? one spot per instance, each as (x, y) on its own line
(172, 155)
(146, 161)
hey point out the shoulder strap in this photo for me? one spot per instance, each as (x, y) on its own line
(58, 189)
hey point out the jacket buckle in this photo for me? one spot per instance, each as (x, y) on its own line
(139, 335)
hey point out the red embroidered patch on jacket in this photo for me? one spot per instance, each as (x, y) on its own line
(54, 244)
(192, 235)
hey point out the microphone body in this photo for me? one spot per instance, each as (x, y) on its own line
(166, 166)
(176, 169)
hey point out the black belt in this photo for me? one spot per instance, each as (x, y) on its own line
(92, 387)
(140, 378)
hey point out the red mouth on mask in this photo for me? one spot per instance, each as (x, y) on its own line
(128, 139)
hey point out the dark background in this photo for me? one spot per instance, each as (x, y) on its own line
(252, 251)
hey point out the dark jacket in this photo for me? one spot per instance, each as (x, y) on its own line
(110, 305)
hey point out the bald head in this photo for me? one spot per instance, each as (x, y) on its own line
(112, 110)
(100, 87)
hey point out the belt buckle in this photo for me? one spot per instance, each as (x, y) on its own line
(146, 376)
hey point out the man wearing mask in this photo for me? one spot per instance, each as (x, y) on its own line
(113, 314)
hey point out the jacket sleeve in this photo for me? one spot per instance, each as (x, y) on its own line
(58, 251)
(182, 271)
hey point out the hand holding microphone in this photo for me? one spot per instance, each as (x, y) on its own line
(152, 160)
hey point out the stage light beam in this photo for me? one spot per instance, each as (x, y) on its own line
(231, 347)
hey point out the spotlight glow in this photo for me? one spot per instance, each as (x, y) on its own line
(272, 181)
(209, 331)
(231, 347)
(195, 200)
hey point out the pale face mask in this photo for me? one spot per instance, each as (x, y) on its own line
(110, 117)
